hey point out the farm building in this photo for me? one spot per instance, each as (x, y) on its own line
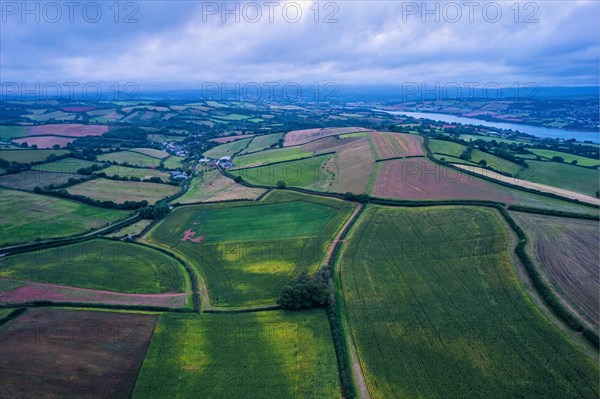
(176, 175)
(225, 162)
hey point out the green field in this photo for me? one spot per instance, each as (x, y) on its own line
(26, 217)
(173, 162)
(151, 152)
(131, 158)
(263, 142)
(120, 191)
(581, 161)
(13, 132)
(259, 355)
(227, 149)
(65, 165)
(569, 177)
(437, 311)
(29, 156)
(99, 264)
(248, 252)
(140, 173)
(307, 173)
(446, 147)
(270, 156)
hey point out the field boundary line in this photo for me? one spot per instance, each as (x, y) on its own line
(340, 323)
(190, 270)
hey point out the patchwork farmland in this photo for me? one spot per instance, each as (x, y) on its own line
(342, 253)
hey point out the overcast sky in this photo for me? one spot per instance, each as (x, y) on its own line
(183, 44)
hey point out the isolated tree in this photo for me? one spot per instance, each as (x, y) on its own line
(280, 184)
(483, 162)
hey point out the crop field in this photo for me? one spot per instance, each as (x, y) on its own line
(30, 179)
(229, 139)
(131, 158)
(311, 173)
(349, 168)
(437, 311)
(45, 141)
(54, 353)
(261, 355)
(566, 251)
(227, 149)
(99, 264)
(121, 191)
(140, 173)
(568, 177)
(421, 179)
(151, 152)
(29, 156)
(390, 145)
(248, 252)
(297, 137)
(68, 129)
(65, 165)
(35, 216)
(263, 142)
(212, 186)
(582, 161)
(270, 156)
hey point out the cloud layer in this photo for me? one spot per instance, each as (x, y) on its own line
(183, 44)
